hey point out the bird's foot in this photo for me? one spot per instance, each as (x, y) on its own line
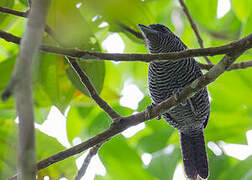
(149, 109)
(175, 94)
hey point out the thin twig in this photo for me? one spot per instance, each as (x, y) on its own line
(92, 152)
(93, 93)
(130, 30)
(24, 14)
(194, 27)
(13, 12)
(236, 66)
(172, 56)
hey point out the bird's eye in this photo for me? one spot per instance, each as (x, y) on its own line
(163, 29)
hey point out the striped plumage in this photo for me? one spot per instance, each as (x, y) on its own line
(167, 79)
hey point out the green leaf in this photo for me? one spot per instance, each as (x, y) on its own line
(64, 17)
(24, 2)
(41, 114)
(121, 161)
(163, 163)
(99, 124)
(6, 4)
(144, 103)
(70, 27)
(218, 165)
(155, 141)
(241, 170)
(78, 121)
(134, 12)
(45, 146)
(242, 9)
(161, 11)
(203, 13)
(247, 27)
(54, 82)
(6, 68)
(8, 155)
(230, 107)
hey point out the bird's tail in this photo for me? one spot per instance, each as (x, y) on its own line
(194, 155)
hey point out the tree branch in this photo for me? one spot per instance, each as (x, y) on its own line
(21, 85)
(13, 12)
(92, 152)
(236, 66)
(194, 27)
(127, 57)
(122, 124)
(172, 56)
(132, 31)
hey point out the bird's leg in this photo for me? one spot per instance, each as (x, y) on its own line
(149, 109)
(175, 94)
(187, 101)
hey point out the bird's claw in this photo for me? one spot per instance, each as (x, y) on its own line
(175, 94)
(149, 110)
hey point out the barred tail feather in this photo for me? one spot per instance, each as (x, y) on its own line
(194, 155)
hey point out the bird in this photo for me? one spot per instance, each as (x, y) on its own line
(168, 78)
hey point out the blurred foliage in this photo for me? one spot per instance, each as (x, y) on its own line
(55, 83)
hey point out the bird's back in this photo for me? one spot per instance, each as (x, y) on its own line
(168, 78)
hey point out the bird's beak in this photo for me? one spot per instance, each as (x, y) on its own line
(146, 30)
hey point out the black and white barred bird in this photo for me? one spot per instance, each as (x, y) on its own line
(168, 78)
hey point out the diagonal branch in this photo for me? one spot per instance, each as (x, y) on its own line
(93, 93)
(194, 27)
(236, 66)
(85, 80)
(122, 124)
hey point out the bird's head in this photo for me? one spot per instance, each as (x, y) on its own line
(158, 38)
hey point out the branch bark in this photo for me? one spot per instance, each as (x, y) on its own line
(127, 57)
(20, 85)
(173, 56)
(236, 66)
(13, 12)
